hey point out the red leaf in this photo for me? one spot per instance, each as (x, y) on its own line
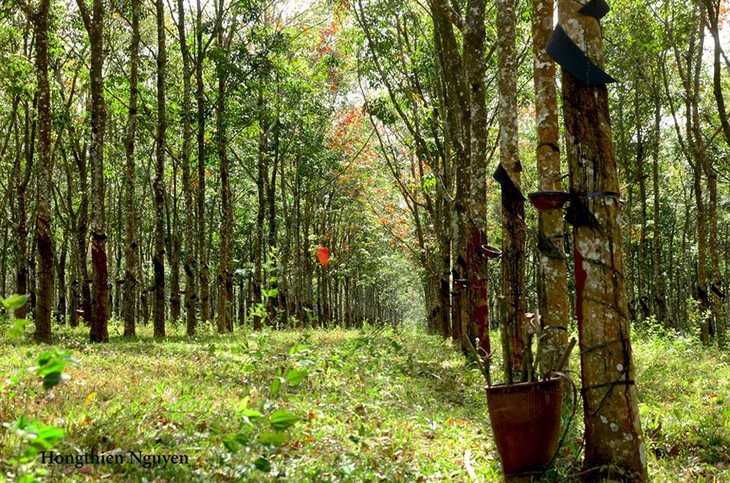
(323, 255)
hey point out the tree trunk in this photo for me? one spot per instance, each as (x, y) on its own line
(659, 289)
(158, 260)
(475, 66)
(44, 185)
(258, 247)
(82, 233)
(716, 284)
(129, 302)
(456, 99)
(173, 245)
(513, 207)
(61, 291)
(613, 440)
(189, 260)
(641, 272)
(552, 272)
(94, 23)
(225, 264)
(696, 144)
(21, 231)
(202, 232)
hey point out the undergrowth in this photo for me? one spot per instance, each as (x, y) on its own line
(336, 405)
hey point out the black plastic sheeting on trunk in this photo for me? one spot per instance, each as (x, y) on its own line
(508, 186)
(569, 56)
(596, 9)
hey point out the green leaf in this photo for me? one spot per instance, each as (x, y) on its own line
(14, 302)
(233, 441)
(275, 439)
(45, 437)
(297, 348)
(53, 379)
(251, 413)
(281, 419)
(44, 358)
(276, 386)
(274, 292)
(16, 330)
(294, 377)
(262, 464)
(53, 362)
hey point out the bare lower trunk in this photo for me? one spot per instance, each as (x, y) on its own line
(225, 267)
(100, 291)
(129, 302)
(552, 272)
(202, 244)
(44, 185)
(659, 286)
(613, 440)
(475, 66)
(258, 247)
(189, 262)
(717, 315)
(513, 207)
(21, 193)
(158, 260)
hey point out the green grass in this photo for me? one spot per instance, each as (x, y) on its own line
(383, 405)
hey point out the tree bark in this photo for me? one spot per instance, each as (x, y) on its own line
(94, 22)
(258, 248)
(129, 301)
(718, 317)
(225, 266)
(158, 260)
(44, 184)
(189, 259)
(614, 444)
(641, 272)
(475, 67)
(513, 207)
(21, 191)
(697, 153)
(202, 245)
(659, 285)
(552, 272)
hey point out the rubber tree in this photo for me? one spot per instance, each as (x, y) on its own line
(44, 186)
(464, 90)
(131, 259)
(158, 260)
(94, 23)
(552, 271)
(513, 201)
(225, 266)
(190, 262)
(614, 444)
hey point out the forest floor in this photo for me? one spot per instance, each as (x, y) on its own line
(324, 406)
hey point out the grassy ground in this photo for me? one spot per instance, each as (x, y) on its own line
(327, 406)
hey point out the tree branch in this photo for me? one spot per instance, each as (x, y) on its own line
(85, 15)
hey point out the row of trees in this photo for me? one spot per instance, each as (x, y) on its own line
(426, 95)
(200, 195)
(438, 105)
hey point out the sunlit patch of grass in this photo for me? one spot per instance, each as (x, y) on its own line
(685, 406)
(375, 405)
